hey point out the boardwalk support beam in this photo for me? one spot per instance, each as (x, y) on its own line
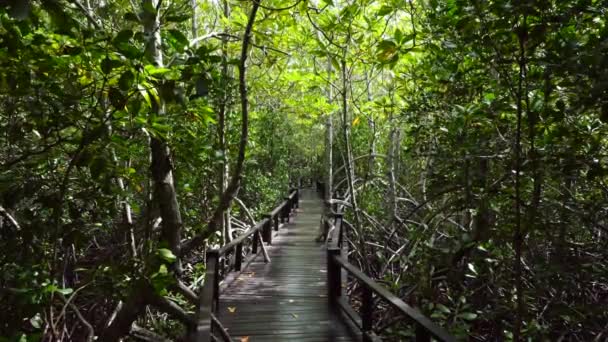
(208, 299)
(334, 275)
(267, 229)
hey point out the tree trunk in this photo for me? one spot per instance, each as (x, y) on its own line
(194, 6)
(235, 181)
(392, 197)
(165, 195)
(224, 106)
(126, 314)
(518, 236)
(330, 138)
(349, 164)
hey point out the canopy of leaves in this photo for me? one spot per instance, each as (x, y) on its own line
(469, 141)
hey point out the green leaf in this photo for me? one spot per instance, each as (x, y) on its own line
(129, 51)
(123, 37)
(179, 38)
(177, 18)
(144, 93)
(36, 321)
(472, 268)
(166, 254)
(65, 291)
(116, 98)
(335, 64)
(108, 64)
(130, 16)
(126, 80)
(149, 7)
(387, 45)
(156, 71)
(97, 167)
(469, 316)
(72, 50)
(399, 36)
(443, 308)
(161, 279)
(384, 10)
(387, 51)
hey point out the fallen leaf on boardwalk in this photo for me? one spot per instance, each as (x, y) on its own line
(294, 315)
(245, 339)
(291, 300)
(232, 309)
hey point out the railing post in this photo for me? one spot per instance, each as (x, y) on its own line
(334, 275)
(296, 198)
(321, 189)
(275, 221)
(238, 257)
(267, 230)
(367, 311)
(254, 243)
(286, 209)
(335, 205)
(421, 334)
(209, 298)
(339, 222)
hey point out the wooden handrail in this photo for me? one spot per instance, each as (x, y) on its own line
(277, 209)
(337, 261)
(210, 295)
(239, 240)
(396, 302)
(293, 194)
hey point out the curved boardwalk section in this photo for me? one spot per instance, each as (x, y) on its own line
(286, 299)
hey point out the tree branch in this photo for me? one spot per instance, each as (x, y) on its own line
(167, 306)
(235, 182)
(10, 218)
(87, 14)
(146, 335)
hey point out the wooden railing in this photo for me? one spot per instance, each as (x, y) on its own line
(337, 261)
(233, 257)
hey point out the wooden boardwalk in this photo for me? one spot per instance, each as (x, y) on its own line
(286, 299)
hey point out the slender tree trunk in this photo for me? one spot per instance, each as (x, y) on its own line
(162, 166)
(372, 126)
(537, 176)
(392, 186)
(126, 314)
(127, 218)
(518, 236)
(329, 147)
(329, 157)
(194, 7)
(235, 181)
(164, 194)
(224, 169)
(568, 172)
(349, 169)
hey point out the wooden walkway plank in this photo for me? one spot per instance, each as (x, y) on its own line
(286, 299)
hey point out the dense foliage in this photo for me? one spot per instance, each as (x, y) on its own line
(466, 140)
